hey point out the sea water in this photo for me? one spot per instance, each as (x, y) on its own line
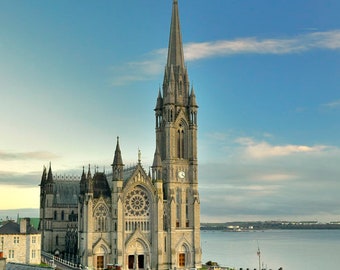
(289, 249)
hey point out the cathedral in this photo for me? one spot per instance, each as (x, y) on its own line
(131, 217)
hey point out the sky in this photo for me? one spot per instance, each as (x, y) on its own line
(75, 75)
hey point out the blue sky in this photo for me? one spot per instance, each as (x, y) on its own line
(75, 75)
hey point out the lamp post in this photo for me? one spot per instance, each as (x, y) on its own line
(259, 254)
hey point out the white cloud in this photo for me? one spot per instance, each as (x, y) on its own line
(264, 180)
(260, 150)
(317, 40)
(152, 64)
(37, 155)
(273, 177)
(332, 105)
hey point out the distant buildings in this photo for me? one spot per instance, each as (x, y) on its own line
(20, 243)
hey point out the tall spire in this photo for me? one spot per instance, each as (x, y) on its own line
(175, 51)
(176, 82)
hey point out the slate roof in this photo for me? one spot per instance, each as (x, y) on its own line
(100, 185)
(12, 227)
(127, 173)
(66, 192)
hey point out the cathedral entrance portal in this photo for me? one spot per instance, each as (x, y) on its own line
(137, 258)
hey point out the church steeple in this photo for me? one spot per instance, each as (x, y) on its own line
(176, 108)
(175, 52)
(176, 83)
(175, 165)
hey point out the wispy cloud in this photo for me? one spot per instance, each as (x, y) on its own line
(38, 155)
(318, 40)
(332, 105)
(30, 179)
(147, 68)
(260, 150)
(152, 63)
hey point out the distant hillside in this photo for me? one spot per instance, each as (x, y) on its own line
(14, 213)
(269, 225)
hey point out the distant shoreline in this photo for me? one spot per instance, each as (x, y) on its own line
(239, 226)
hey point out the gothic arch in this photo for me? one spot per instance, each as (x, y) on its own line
(101, 250)
(137, 252)
(184, 253)
(137, 242)
(139, 177)
(182, 138)
(101, 216)
(101, 247)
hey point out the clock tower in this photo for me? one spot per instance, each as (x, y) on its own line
(175, 163)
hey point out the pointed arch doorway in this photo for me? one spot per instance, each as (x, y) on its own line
(100, 252)
(137, 256)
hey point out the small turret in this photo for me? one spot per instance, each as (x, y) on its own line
(117, 165)
(159, 103)
(157, 166)
(43, 187)
(49, 181)
(83, 182)
(50, 175)
(89, 182)
(43, 178)
(192, 102)
(193, 108)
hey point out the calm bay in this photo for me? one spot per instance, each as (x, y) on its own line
(289, 249)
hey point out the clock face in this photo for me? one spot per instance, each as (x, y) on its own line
(181, 174)
(137, 203)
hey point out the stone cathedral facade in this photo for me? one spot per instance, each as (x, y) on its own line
(131, 217)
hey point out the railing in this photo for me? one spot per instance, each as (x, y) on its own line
(57, 262)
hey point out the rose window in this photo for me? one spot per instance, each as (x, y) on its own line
(137, 203)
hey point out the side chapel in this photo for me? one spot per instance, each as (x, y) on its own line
(130, 217)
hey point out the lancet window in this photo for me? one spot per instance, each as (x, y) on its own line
(101, 218)
(181, 141)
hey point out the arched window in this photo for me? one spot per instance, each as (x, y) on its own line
(181, 142)
(101, 217)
